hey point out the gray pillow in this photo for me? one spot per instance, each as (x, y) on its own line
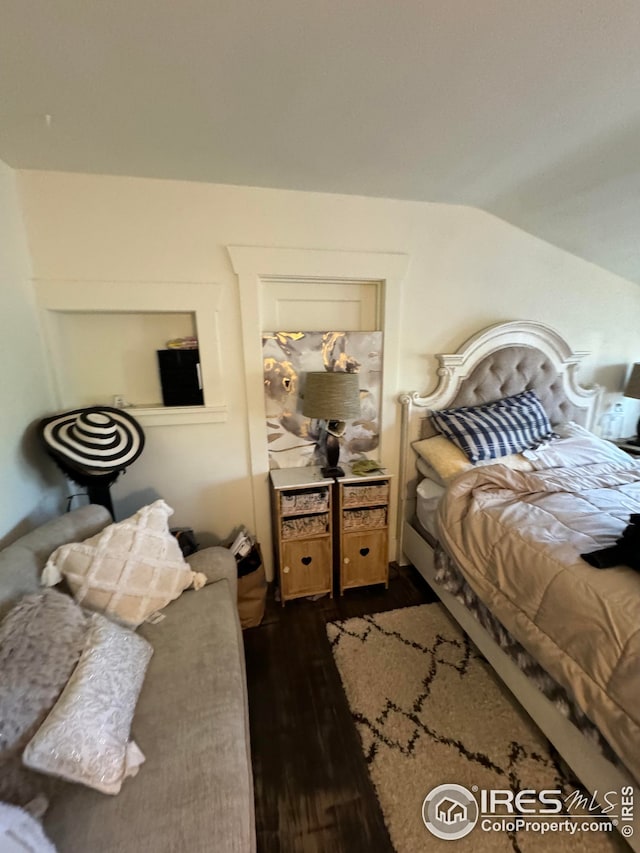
(41, 639)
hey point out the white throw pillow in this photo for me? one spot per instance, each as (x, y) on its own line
(128, 570)
(21, 833)
(85, 738)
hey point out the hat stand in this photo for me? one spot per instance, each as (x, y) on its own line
(100, 493)
(98, 486)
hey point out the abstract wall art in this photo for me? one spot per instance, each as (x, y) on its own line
(287, 356)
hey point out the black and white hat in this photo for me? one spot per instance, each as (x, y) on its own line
(98, 439)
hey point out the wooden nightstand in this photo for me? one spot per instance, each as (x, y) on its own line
(363, 529)
(301, 513)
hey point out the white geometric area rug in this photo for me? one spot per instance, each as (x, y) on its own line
(430, 712)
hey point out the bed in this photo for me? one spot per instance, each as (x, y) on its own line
(500, 539)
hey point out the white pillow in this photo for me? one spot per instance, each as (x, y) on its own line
(426, 471)
(85, 738)
(576, 446)
(21, 833)
(447, 460)
(128, 570)
(430, 490)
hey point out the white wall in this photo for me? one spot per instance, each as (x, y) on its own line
(29, 485)
(467, 269)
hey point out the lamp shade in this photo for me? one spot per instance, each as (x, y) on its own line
(331, 396)
(633, 385)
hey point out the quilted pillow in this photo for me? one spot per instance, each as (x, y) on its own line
(128, 570)
(507, 426)
(85, 738)
(41, 640)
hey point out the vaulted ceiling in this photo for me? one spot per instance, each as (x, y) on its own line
(529, 110)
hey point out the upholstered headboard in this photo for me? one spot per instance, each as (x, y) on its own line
(496, 362)
(519, 368)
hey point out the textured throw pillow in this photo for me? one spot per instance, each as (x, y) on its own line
(447, 461)
(41, 640)
(128, 570)
(85, 738)
(507, 426)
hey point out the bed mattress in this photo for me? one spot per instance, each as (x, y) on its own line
(517, 537)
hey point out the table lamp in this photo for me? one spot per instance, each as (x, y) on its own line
(633, 390)
(332, 398)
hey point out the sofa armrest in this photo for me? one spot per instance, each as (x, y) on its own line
(22, 562)
(217, 563)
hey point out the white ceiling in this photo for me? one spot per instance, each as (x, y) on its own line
(529, 109)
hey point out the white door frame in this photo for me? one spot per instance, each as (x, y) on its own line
(255, 265)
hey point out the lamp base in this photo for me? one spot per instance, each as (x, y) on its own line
(332, 469)
(335, 471)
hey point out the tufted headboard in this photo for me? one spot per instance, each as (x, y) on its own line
(496, 362)
(508, 371)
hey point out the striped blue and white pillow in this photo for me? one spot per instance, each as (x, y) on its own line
(510, 425)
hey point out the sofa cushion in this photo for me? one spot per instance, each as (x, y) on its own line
(128, 570)
(85, 738)
(195, 789)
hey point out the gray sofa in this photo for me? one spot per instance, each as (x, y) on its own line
(195, 791)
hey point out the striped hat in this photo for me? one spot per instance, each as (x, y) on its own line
(98, 439)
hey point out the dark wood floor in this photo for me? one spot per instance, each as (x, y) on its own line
(312, 788)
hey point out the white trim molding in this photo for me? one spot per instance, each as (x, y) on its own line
(149, 416)
(256, 265)
(96, 297)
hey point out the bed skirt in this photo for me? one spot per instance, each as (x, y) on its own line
(449, 576)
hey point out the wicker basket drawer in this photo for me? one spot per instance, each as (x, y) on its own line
(304, 500)
(364, 519)
(365, 494)
(305, 526)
